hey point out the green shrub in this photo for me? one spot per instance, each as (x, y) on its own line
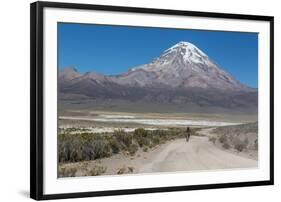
(123, 138)
(87, 152)
(115, 145)
(101, 148)
(141, 136)
(142, 141)
(141, 132)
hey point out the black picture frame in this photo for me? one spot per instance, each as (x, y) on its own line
(36, 98)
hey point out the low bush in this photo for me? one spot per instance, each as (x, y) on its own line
(226, 145)
(67, 172)
(145, 149)
(121, 170)
(141, 136)
(115, 145)
(125, 139)
(130, 169)
(101, 148)
(222, 139)
(240, 147)
(156, 139)
(98, 169)
(142, 141)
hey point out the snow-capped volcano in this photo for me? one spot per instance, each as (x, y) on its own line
(182, 53)
(182, 65)
(182, 74)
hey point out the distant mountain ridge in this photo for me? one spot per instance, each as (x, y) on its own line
(181, 74)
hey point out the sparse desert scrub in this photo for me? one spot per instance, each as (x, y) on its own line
(81, 169)
(97, 169)
(88, 146)
(237, 129)
(73, 130)
(241, 138)
(67, 172)
(81, 147)
(125, 169)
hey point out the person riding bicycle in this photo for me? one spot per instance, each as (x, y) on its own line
(187, 134)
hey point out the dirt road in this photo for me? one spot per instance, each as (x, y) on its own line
(177, 155)
(197, 154)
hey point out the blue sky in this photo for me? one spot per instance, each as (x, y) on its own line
(112, 50)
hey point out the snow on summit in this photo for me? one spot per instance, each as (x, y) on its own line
(189, 52)
(189, 47)
(182, 50)
(181, 54)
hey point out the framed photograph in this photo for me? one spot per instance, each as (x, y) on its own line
(131, 100)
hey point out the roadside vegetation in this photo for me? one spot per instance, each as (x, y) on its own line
(88, 146)
(241, 138)
(83, 169)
